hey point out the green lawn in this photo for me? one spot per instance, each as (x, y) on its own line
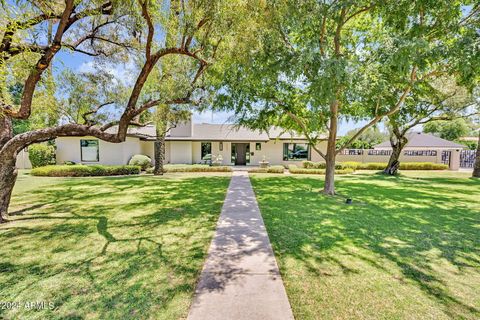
(108, 248)
(407, 248)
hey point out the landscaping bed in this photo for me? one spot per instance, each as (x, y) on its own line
(297, 170)
(193, 168)
(270, 169)
(80, 170)
(376, 165)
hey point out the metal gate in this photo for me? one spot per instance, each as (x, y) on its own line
(467, 158)
(446, 155)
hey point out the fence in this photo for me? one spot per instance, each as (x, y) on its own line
(467, 158)
(374, 155)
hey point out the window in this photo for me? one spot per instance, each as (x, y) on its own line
(206, 151)
(220, 146)
(352, 152)
(295, 151)
(258, 146)
(421, 153)
(379, 152)
(89, 150)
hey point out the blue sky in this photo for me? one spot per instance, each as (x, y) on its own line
(80, 62)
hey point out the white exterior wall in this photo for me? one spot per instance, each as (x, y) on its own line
(183, 129)
(188, 152)
(68, 149)
(147, 148)
(23, 162)
(181, 152)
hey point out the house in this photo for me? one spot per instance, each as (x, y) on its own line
(423, 147)
(190, 143)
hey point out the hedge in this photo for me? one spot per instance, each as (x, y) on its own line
(80, 170)
(319, 165)
(41, 155)
(403, 165)
(296, 170)
(376, 165)
(193, 168)
(271, 169)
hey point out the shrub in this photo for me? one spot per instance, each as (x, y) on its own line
(140, 160)
(193, 168)
(41, 155)
(373, 166)
(80, 170)
(318, 165)
(296, 170)
(272, 169)
(422, 166)
(351, 165)
(403, 166)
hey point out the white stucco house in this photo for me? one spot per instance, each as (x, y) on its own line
(190, 143)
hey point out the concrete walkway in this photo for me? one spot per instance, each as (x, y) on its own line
(240, 278)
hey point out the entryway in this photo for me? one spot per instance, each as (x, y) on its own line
(240, 152)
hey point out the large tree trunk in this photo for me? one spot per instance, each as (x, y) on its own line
(476, 166)
(159, 149)
(329, 188)
(8, 176)
(161, 123)
(8, 170)
(398, 141)
(393, 162)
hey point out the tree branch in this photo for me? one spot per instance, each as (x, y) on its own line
(377, 118)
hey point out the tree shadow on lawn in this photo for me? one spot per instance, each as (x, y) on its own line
(111, 247)
(399, 219)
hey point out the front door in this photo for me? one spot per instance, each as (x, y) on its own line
(241, 154)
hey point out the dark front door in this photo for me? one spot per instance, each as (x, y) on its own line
(241, 154)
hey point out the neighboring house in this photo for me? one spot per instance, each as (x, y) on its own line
(190, 143)
(423, 147)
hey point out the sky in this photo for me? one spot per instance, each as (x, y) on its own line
(82, 63)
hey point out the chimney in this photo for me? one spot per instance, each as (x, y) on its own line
(183, 129)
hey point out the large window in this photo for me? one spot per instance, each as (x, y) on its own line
(206, 151)
(89, 150)
(296, 151)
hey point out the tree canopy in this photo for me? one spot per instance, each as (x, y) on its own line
(318, 63)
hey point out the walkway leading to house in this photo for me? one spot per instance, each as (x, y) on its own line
(240, 278)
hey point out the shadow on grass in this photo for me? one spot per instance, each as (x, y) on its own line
(400, 219)
(124, 247)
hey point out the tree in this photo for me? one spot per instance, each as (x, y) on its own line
(476, 165)
(448, 129)
(367, 140)
(166, 118)
(108, 31)
(443, 101)
(322, 62)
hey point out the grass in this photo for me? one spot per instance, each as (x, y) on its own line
(407, 248)
(108, 248)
